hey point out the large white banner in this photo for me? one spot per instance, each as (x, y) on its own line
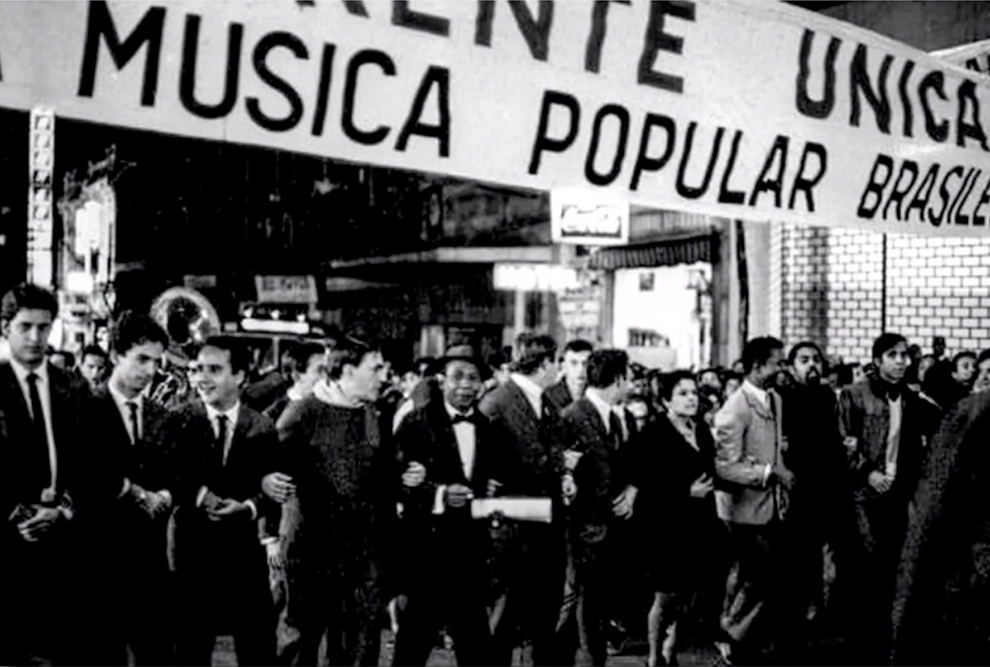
(752, 110)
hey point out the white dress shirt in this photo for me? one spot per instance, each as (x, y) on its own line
(231, 416)
(466, 439)
(893, 437)
(763, 396)
(533, 392)
(604, 409)
(123, 405)
(464, 433)
(44, 393)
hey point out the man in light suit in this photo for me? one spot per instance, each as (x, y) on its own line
(448, 578)
(754, 485)
(224, 452)
(531, 558)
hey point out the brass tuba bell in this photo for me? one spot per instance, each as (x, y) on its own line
(186, 316)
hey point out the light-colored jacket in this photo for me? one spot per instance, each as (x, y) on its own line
(748, 438)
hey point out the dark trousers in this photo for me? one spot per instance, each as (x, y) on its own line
(754, 588)
(595, 586)
(227, 598)
(534, 586)
(344, 606)
(871, 577)
(454, 600)
(148, 627)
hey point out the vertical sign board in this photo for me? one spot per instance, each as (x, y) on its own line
(41, 164)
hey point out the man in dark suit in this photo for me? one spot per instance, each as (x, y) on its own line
(50, 487)
(136, 431)
(601, 494)
(574, 363)
(448, 577)
(224, 450)
(530, 571)
(886, 428)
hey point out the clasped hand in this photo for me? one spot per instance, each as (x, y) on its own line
(218, 510)
(457, 495)
(36, 527)
(278, 486)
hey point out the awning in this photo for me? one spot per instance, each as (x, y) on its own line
(663, 252)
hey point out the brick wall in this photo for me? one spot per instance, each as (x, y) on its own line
(855, 292)
(827, 285)
(939, 286)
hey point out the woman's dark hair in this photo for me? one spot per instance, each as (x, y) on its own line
(670, 381)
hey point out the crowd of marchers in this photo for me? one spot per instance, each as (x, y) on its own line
(758, 511)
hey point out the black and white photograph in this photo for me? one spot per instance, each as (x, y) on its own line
(536, 333)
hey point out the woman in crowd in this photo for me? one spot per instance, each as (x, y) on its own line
(676, 492)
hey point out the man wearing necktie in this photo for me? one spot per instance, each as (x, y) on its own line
(885, 427)
(137, 432)
(448, 580)
(225, 523)
(531, 558)
(601, 497)
(752, 490)
(44, 453)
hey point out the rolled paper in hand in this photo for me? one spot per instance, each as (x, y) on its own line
(520, 509)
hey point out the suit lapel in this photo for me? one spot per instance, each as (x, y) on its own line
(13, 396)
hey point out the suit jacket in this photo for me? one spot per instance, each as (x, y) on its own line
(559, 395)
(427, 436)
(253, 453)
(146, 463)
(748, 437)
(78, 456)
(533, 460)
(940, 613)
(602, 473)
(864, 413)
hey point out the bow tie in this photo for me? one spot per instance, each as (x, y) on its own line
(461, 417)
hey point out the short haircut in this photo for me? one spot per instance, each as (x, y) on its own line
(731, 375)
(577, 345)
(886, 342)
(669, 382)
(132, 328)
(349, 351)
(27, 297)
(605, 367)
(801, 346)
(984, 356)
(240, 355)
(962, 355)
(92, 351)
(302, 352)
(532, 351)
(758, 351)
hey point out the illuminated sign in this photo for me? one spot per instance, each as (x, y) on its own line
(586, 218)
(535, 277)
